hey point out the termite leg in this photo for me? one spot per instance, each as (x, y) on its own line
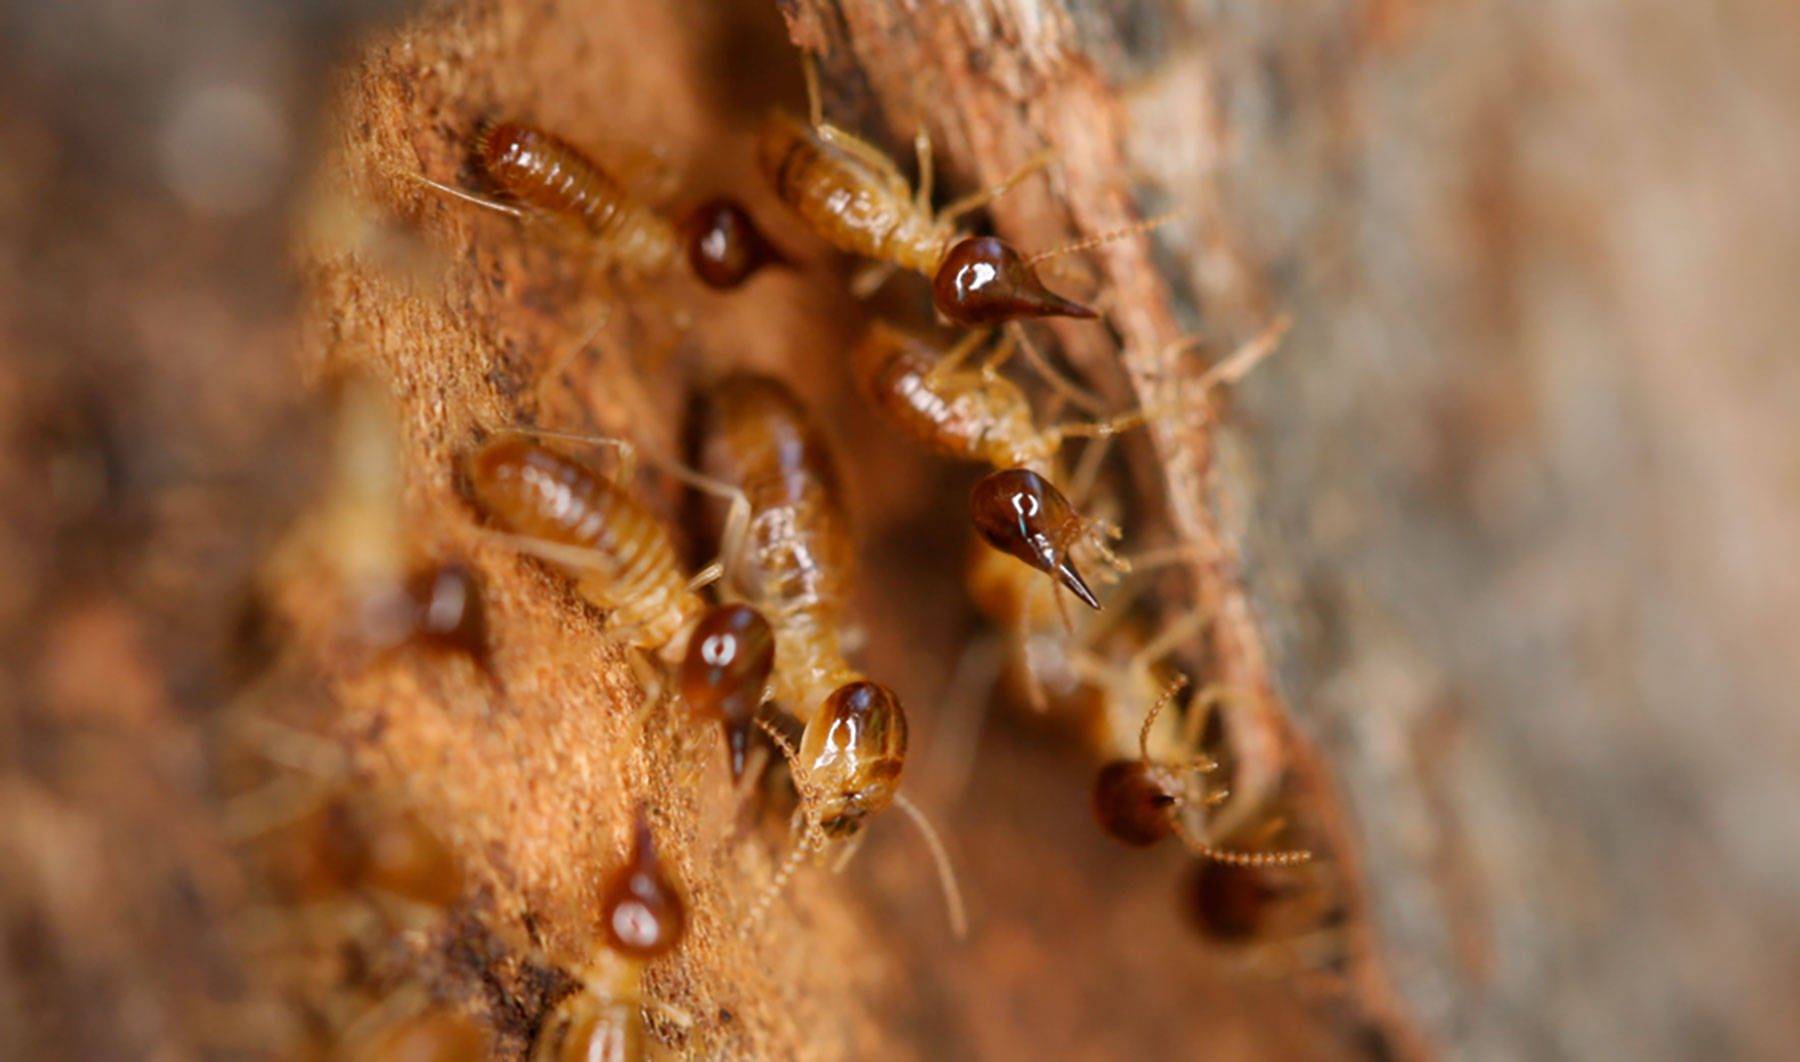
(625, 448)
(976, 200)
(554, 372)
(1058, 382)
(954, 357)
(864, 152)
(869, 276)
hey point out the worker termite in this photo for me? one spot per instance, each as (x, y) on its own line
(624, 561)
(1142, 801)
(642, 918)
(430, 1036)
(797, 567)
(549, 178)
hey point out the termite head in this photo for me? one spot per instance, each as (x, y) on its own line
(724, 246)
(449, 610)
(642, 913)
(985, 281)
(853, 751)
(729, 657)
(1021, 513)
(1132, 802)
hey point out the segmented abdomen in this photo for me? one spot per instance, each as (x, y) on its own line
(842, 200)
(551, 175)
(961, 415)
(628, 565)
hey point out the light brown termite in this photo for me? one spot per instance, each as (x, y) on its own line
(623, 560)
(797, 566)
(430, 1036)
(1140, 801)
(642, 918)
(547, 177)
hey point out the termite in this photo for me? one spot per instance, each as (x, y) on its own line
(979, 415)
(623, 560)
(430, 1036)
(851, 194)
(642, 918)
(549, 178)
(797, 566)
(1140, 801)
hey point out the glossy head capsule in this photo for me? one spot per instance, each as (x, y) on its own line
(1021, 513)
(853, 751)
(448, 612)
(1132, 804)
(984, 281)
(726, 670)
(642, 913)
(724, 246)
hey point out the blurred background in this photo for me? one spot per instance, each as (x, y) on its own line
(1516, 502)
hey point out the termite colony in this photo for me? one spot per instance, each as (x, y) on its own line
(751, 654)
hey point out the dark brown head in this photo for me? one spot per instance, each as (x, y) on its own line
(642, 913)
(1020, 513)
(984, 281)
(854, 749)
(1132, 803)
(448, 611)
(723, 676)
(1229, 903)
(724, 246)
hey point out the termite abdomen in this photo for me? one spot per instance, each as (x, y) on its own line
(553, 177)
(626, 560)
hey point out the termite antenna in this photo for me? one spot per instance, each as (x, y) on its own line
(1238, 364)
(1135, 229)
(809, 841)
(1237, 859)
(1176, 685)
(959, 916)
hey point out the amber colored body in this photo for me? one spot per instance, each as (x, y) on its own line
(434, 1036)
(629, 564)
(970, 415)
(553, 177)
(799, 562)
(851, 205)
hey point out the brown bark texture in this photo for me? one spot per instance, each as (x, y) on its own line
(1493, 552)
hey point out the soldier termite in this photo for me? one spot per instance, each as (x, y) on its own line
(854, 196)
(642, 918)
(1142, 801)
(797, 566)
(624, 561)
